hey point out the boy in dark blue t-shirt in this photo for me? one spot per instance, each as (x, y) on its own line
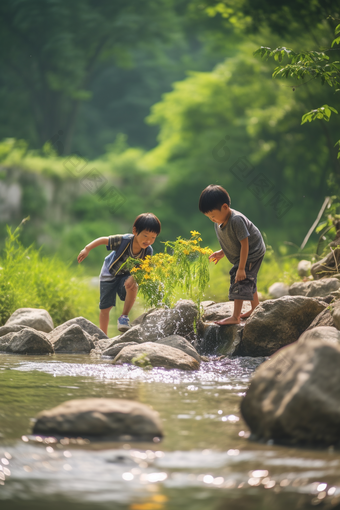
(114, 280)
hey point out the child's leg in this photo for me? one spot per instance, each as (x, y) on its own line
(235, 318)
(131, 294)
(104, 317)
(254, 304)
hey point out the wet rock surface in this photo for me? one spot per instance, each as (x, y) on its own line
(115, 349)
(214, 339)
(26, 341)
(35, 318)
(156, 355)
(276, 323)
(294, 397)
(101, 418)
(179, 342)
(72, 340)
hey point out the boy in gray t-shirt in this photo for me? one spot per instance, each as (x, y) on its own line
(242, 244)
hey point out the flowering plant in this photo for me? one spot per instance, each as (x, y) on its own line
(183, 265)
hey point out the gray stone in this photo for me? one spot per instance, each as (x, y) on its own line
(35, 318)
(218, 311)
(4, 330)
(104, 418)
(26, 341)
(134, 334)
(157, 356)
(72, 340)
(179, 342)
(163, 322)
(315, 288)
(304, 267)
(85, 324)
(278, 289)
(276, 323)
(294, 397)
(324, 318)
(115, 349)
(214, 339)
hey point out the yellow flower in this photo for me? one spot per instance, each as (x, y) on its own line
(194, 233)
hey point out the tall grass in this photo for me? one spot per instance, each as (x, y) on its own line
(28, 280)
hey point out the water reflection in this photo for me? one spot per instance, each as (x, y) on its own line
(205, 461)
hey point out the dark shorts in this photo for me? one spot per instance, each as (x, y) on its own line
(109, 290)
(245, 289)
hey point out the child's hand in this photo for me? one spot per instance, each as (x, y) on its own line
(240, 275)
(216, 256)
(82, 255)
(130, 283)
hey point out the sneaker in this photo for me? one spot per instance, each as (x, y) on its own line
(123, 323)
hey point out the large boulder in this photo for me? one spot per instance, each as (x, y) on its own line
(104, 418)
(216, 311)
(26, 341)
(156, 355)
(315, 288)
(114, 350)
(86, 325)
(35, 318)
(179, 342)
(72, 340)
(294, 397)
(276, 323)
(278, 289)
(214, 339)
(163, 322)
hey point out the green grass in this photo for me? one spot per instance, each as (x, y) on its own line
(29, 280)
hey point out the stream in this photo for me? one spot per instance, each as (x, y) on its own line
(206, 460)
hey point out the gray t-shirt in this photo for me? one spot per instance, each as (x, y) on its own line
(237, 229)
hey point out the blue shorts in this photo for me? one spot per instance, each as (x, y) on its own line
(245, 289)
(109, 290)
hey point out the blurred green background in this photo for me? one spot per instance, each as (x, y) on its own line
(115, 108)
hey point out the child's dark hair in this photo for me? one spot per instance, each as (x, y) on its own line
(147, 221)
(213, 197)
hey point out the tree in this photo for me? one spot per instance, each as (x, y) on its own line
(51, 49)
(307, 66)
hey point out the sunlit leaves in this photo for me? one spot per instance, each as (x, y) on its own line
(324, 113)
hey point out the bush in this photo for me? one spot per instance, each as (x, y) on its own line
(28, 280)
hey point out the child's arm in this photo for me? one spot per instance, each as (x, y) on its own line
(216, 256)
(97, 242)
(240, 273)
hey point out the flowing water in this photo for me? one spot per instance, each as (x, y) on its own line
(205, 461)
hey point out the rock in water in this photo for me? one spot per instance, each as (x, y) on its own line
(157, 355)
(103, 418)
(72, 340)
(276, 323)
(35, 318)
(294, 397)
(179, 342)
(86, 325)
(26, 341)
